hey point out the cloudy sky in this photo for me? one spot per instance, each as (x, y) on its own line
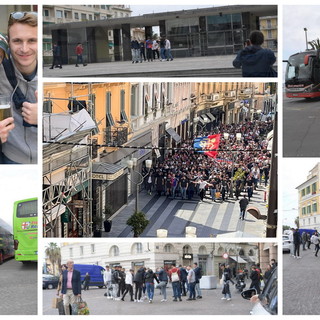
(292, 173)
(17, 182)
(295, 19)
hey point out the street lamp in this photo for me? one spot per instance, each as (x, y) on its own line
(131, 165)
(305, 31)
(226, 136)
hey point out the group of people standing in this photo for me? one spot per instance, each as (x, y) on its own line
(140, 285)
(151, 49)
(185, 172)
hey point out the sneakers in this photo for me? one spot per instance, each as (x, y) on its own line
(228, 299)
(150, 300)
(163, 300)
(140, 300)
(223, 298)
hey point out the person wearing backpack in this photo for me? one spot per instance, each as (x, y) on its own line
(198, 273)
(174, 274)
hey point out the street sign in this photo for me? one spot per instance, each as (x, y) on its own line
(225, 256)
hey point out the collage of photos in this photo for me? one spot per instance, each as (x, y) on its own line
(175, 164)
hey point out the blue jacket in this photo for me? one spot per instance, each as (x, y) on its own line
(255, 62)
(75, 281)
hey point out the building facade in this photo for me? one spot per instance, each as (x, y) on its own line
(309, 200)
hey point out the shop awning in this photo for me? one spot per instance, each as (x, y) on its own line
(174, 135)
(106, 171)
(54, 213)
(238, 259)
(211, 116)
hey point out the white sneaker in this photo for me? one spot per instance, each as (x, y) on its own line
(298, 257)
(163, 300)
(223, 298)
(140, 300)
(228, 299)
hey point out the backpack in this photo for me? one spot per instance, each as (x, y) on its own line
(175, 277)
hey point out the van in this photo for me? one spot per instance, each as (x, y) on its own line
(95, 272)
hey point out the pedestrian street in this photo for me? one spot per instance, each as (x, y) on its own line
(211, 219)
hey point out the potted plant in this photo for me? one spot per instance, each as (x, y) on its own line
(138, 222)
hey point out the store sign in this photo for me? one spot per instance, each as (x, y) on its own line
(188, 256)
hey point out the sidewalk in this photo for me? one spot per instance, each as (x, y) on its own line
(213, 66)
(210, 218)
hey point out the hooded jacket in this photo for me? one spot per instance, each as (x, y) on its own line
(21, 146)
(255, 62)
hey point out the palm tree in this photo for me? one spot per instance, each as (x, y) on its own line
(315, 44)
(53, 253)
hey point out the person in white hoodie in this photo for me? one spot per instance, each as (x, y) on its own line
(107, 281)
(129, 285)
(291, 242)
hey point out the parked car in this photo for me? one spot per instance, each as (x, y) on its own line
(285, 243)
(266, 303)
(49, 281)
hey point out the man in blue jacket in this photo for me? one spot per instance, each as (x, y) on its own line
(71, 286)
(254, 60)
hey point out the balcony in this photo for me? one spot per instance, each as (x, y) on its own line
(116, 136)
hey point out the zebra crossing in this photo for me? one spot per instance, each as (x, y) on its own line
(211, 219)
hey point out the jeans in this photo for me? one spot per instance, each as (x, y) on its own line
(192, 291)
(297, 250)
(242, 213)
(213, 194)
(138, 291)
(163, 53)
(128, 289)
(176, 289)
(198, 290)
(168, 54)
(150, 290)
(115, 289)
(108, 286)
(135, 55)
(183, 193)
(163, 290)
(79, 59)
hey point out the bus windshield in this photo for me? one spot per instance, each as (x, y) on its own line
(296, 69)
(27, 209)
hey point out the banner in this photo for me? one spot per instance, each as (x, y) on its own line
(205, 144)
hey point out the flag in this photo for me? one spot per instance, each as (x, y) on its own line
(205, 144)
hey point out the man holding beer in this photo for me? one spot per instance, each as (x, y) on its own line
(18, 88)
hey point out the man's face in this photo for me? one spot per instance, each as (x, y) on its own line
(70, 265)
(23, 43)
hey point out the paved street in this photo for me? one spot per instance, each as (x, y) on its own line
(18, 288)
(301, 127)
(210, 304)
(214, 66)
(301, 279)
(210, 218)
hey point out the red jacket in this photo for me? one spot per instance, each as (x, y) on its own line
(79, 49)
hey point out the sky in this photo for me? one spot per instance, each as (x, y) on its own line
(295, 19)
(292, 173)
(17, 182)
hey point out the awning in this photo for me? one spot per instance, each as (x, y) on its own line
(211, 116)
(238, 259)
(106, 171)
(54, 213)
(204, 117)
(173, 134)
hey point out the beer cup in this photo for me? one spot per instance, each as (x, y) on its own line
(5, 107)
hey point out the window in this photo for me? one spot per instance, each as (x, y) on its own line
(81, 250)
(109, 117)
(76, 16)
(308, 190)
(59, 14)
(134, 100)
(303, 211)
(303, 192)
(92, 249)
(114, 251)
(167, 248)
(71, 252)
(269, 24)
(139, 247)
(90, 17)
(46, 13)
(309, 209)
(269, 34)
(314, 207)
(123, 116)
(83, 17)
(314, 220)
(314, 188)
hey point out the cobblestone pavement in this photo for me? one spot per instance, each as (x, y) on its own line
(210, 304)
(301, 281)
(210, 218)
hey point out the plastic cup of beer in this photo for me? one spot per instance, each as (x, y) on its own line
(5, 107)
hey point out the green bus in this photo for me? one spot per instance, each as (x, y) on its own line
(25, 229)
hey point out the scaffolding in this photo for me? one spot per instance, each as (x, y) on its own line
(67, 183)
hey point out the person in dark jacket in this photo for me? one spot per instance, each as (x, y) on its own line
(56, 52)
(163, 278)
(254, 60)
(86, 281)
(138, 282)
(297, 242)
(183, 279)
(71, 286)
(149, 278)
(243, 206)
(255, 279)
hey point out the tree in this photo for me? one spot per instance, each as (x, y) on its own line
(138, 222)
(315, 44)
(53, 253)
